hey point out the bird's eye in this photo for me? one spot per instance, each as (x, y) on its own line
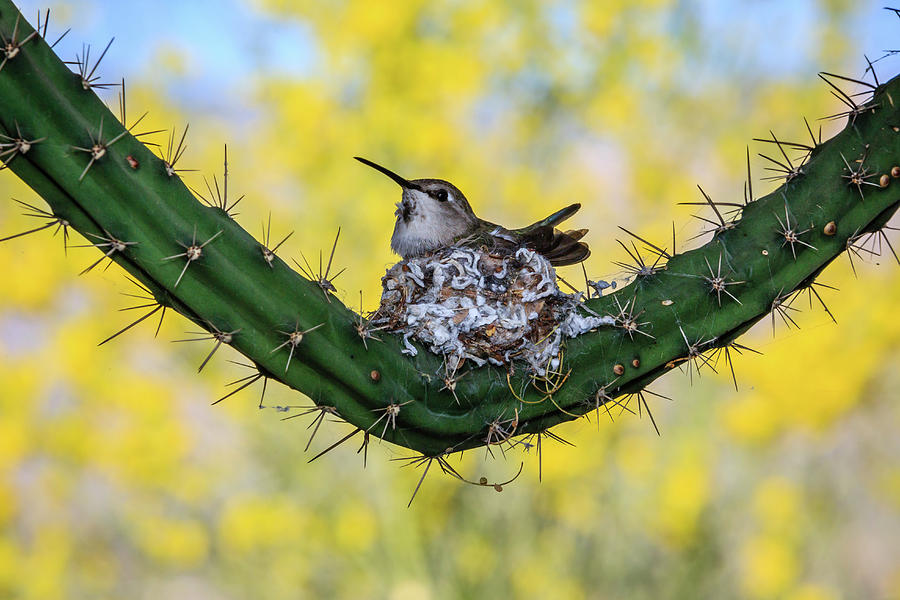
(441, 195)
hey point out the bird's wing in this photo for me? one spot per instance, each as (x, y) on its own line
(556, 218)
(559, 247)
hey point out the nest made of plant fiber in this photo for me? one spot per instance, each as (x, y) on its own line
(485, 305)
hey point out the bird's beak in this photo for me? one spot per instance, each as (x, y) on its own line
(404, 183)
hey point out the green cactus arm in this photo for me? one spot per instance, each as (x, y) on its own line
(231, 290)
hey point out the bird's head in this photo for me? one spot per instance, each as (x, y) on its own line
(429, 202)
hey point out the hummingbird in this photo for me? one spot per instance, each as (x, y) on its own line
(433, 214)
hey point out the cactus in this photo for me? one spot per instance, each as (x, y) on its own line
(681, 309)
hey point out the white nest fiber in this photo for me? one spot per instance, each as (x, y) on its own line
(483, 305)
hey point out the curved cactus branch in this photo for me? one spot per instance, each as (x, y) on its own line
(195, 259)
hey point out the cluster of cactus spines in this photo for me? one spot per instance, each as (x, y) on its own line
(681, 309)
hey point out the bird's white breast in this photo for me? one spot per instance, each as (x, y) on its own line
(417, 236)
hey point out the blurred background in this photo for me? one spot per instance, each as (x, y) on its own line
(118, 479)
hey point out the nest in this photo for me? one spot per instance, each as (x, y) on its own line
(484, 305)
